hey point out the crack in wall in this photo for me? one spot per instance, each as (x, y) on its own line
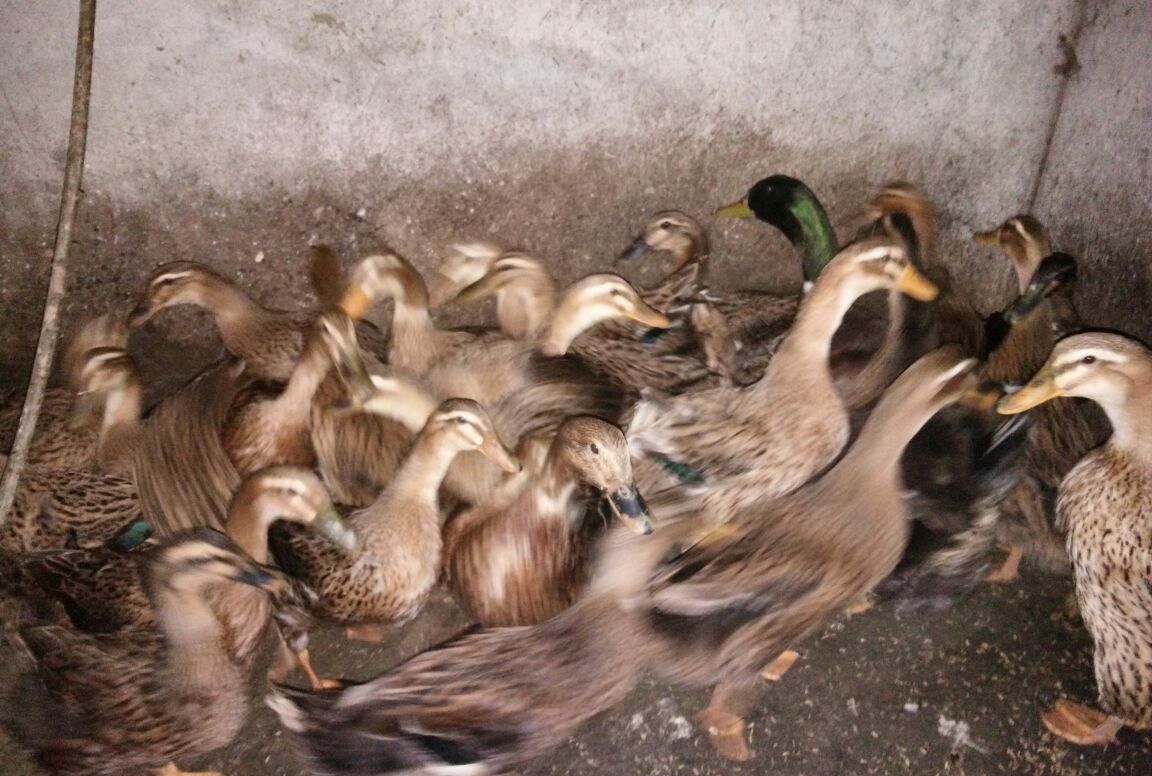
(1067, 70)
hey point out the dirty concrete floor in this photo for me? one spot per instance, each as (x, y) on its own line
(954, 693)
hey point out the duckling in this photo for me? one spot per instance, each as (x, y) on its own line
(525, 557)
(278, 430)
(725, 596)
(765, 440)
(719, 602)
(391, 576)
(131, 702)
(1105, 508)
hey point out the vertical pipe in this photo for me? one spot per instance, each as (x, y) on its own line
(69, 198)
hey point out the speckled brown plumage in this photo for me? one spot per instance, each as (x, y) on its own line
(525, 557)
(391, 576)
(130, 702)
(58, 508)
(1106, 508)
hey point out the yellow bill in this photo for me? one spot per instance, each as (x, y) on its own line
(495, 451)
(991, 237)
(649, 316)
(1039, 389)
(355, 302)
(738, 209)
(913, 283)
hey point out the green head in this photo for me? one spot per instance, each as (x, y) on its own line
(794, 209)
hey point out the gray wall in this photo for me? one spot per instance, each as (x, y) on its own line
(226, 130)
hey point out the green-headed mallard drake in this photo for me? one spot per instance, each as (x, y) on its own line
(524, 557)
(131, 702)
(1105, 506)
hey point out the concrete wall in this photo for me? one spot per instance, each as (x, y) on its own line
(223, 131)
(1096, 188)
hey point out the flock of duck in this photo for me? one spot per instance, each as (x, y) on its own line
(612, 482)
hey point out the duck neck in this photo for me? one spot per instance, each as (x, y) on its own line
(295, 401)
(120, 427)
(413, 410)
(419, 478)
(412, 338)
(809, 342)
(569, 321)
(556, 485)
(1130, 414)
(1026, 256)
(192, 633)
(247, 525)
(237, 316)
(695, 248)
(874, 458)
(525, 313)
(807, 227)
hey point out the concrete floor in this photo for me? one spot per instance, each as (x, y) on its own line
(956, 693)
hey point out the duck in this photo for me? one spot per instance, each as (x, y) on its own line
(67, 432)
(269, 341)
(525, 556)
(1105, 509)
(68, 508)
(745, 444)
(83, 493)
(100, 588)
(391, 576)
(414, 342)
(601, 320)
(485, 702)
(720, 599)
(278, 429)
(718, 596)
(180, 469)
(131, 702)
(965, 466)
(1026, 242)
(464, 264)
(1062, 432)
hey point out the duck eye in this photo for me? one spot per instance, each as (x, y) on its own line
(592, 447)
(665, 224)
(461, 420)
(1088, 360)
